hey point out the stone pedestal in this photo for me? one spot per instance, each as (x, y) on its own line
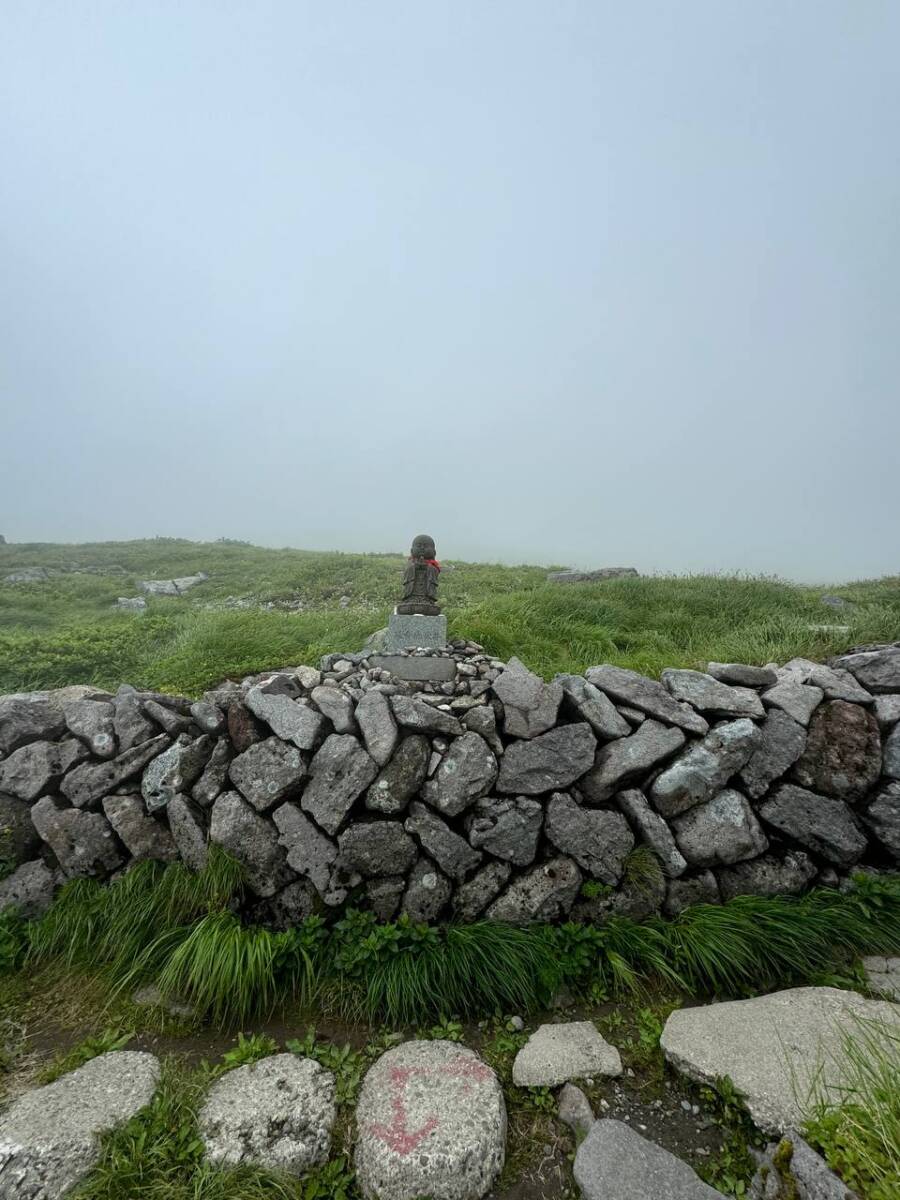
(425, 669)
(406, 631)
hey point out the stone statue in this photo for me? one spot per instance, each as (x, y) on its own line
(420, 579)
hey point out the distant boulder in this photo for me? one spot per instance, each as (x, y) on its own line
(591, 576)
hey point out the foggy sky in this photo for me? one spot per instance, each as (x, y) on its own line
(595, 283)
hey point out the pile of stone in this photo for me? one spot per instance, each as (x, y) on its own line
(479, 790)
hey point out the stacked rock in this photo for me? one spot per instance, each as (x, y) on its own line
(493, 793)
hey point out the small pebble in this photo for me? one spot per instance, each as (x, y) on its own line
(517, 1024)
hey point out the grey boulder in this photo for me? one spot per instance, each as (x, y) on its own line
(339, 773)
(28, 717)
(92, 721)
(843, 751)
(652, 831)
(471, 898)
(401, 778)
(836, 684)
(18, 837)
(268, 772)
(214, 775)
(466, 772)
(309, 851)
(598, 840)
(508, 828)
(621, 761)
(415, 714)
(557, 1053)
(549, 762)
(377, 848)
(50, 1137)
(705, 768)
(427, 892)
(689, 890)
(288, 719)
(821, 824)
(530, 705)
(89, 782)
(615, 1163)
(238, 828)
(798, 700)
(175, 770)
(742, 675)
(139, 833)
(645, 694)
(30, 890)
(877, 669)
(187, 824)
(38, 768)
(431, 1122)
(882, 817)
(891, 766)
(452, 853)
(781, 742)
(768, 876)
(375, 719)
(589, 704)
(337, 706)
(545, 893)
(712, 697)
(721, 831)
(276, 1113)
(83, 842)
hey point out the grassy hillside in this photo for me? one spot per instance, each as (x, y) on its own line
(65, 629)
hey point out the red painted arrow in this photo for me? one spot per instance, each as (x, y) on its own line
(397, 1135)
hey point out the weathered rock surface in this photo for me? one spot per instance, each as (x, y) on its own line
(377, 726)
(712, 697)
(530, 705)
(892, 754)
(28, 717)
(452, 853)
(50, 1137)
(175, 770)
(547, 763)
(214, 776)
(837, 685)
(431, 1122)
(843, 751)
(402, 778)
(136, 829)
(767, 876)
(83, 842)
(615, 1163)
(621, 761)
(781, 742)
(652, 831)
(30, 889)
(92, 721)
(467, 772)
(650, 697)
(253, 841)
(588, 703)
(89, 782)
(721, 831)
(268, 772)
(506, 828)
(340, 771)
(883, 975)
(19, 839)
(741, 675)
(882, 817)
(598, 840)
(575, 1110)
(187, 824)
(703, 770)
(208, 717)
(682, 893)
(796, 699)
(887, 711)
(38, 768)
(822, 824)
(545, 893)
(289, 720)
(427, 892)
(309, 851)
(130, 725)
(415, 714)
(569, 1050)
(276, 1113)
(771, 1046)
(878, 670)
(337, 706)
(378, 848)
(471, 898)
(792, 1170)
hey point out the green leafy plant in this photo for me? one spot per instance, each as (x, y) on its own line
(249, 1050)
(91, 1047)
(346, 1064)
(731, 1170)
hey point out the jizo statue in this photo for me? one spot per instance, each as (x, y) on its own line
(420, 579)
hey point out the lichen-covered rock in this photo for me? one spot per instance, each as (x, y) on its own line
(471, 898)
(208, 717)
(589, 704)
(401, 778)
(652, 831)
(877, 669)
(30, 890)
(175, 770)
(781, 742)
(50, 1137)
(822, 824)
(214, 776)
(648, 695)
(83, 842)
(483, 720)
(704, 769)
(187, 824)
(836, 684)
(508, 828)
(38, 768)
(843, 751)
(530, 705)
(92, 721)
(289, 719)
(130, 725)
(141, 835)
(252, 840)
(339, 773)
(792, 1170)
(767, 876)
(452, 853)
(377, 726)
(712, 697)
(721, 831)
(415, 714)
(28, 717)
(276, 1113)
(621, 761)
(268, 772)
(377, 848)
(431, 1122)
(309, 851)
(549, 762)
(545, 893)
(427, 892)
(598, 840)
(466, 772)
(89, 782)
(337, 706)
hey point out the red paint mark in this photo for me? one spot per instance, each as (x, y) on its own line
(397, 1135)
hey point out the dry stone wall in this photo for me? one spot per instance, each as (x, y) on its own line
(492, 793)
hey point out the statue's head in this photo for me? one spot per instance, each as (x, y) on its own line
(423, 547)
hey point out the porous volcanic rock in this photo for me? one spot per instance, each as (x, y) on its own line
(704, 769)
(466, 772)
(648, 695)
(843, 751)
(401, 778)
(568, 1050)
(547, 763)
(340, 772)
(712, 697)
(724, 830)
(545, 893)
(822, 824)
(621, 761)
(598, 840)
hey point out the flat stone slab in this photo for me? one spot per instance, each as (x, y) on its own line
(276, 1113)
(431, 1121)
(417, 668)
(49, 1138)
(616, 1163)
(555, 1054)
(883, 976)
(410, 631)
(771, 1046)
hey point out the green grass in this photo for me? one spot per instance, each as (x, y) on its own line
(856, 1125)
(166, 925)
(65, 630)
